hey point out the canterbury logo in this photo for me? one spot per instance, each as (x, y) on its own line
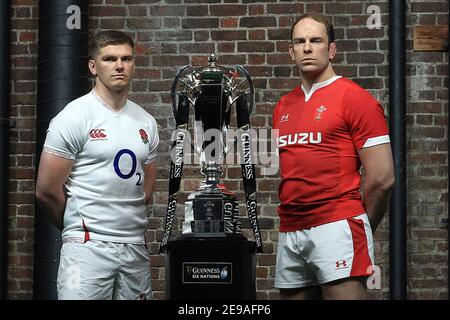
(300, 138)
(97, 133)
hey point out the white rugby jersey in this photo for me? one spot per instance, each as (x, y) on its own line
(105, 190)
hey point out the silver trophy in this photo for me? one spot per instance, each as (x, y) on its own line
(212, 91)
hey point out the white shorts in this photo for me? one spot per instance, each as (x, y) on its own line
(99, 270)
(325, 253)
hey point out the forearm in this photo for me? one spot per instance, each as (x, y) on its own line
(376, 202)
(53, 204)
(379, 180)
(53, 173)
(150, 186)
(150, 180)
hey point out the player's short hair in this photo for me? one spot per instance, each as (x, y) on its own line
(319, 18)
(106, 38)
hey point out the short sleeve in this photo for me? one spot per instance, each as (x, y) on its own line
(64, 136)
(365, 119)
(154, 141)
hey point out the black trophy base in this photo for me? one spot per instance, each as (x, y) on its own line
(212, 268)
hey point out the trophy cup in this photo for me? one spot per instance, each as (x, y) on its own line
(211, 227)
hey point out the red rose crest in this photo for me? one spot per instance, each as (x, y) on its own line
(144, 136)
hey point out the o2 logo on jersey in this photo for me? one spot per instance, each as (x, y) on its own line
(132, 171)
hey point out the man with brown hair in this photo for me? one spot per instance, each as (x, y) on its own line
(328, 128)
(96, 174)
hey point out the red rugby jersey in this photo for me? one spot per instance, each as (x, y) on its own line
(319, 134)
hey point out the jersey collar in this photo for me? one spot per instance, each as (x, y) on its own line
(106, 105)
(317, 86)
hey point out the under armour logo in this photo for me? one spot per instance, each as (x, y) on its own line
(284, 117)
(341, 264)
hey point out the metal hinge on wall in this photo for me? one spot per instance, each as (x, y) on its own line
(8, 123)
(444, 223)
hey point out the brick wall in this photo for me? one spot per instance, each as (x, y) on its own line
(173, 33)
(427, 134)
(24, 35)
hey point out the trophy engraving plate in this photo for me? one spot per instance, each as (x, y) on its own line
(208, 214)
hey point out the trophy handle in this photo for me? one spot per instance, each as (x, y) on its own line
(173, 91)
(244, 71)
